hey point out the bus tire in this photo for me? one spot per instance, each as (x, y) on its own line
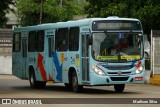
(119, 88)
(32, 79)
(75, 87)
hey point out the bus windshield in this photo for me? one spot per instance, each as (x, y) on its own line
(117, 47)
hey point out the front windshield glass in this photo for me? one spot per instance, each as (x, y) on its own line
(117, 47)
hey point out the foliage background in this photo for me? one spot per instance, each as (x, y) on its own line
(28, 11)
(4, 8)
(147, 11)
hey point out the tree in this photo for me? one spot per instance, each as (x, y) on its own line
(4, 8)
(53, 11)
(148, 12)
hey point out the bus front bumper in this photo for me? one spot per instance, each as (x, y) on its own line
(116, 79)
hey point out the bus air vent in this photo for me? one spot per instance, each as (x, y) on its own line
(119, 78)
(117, 73)
(122, 67)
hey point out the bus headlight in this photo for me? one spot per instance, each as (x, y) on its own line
(139, 70)
(97, 70)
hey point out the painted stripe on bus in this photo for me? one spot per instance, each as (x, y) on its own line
(41, 67)
(58, 67)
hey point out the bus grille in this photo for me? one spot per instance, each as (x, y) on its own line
(122, 67)
(117, 72)
(119, 78)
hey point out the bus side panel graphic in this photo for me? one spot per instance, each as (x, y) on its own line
(41, 67)
(58, 67)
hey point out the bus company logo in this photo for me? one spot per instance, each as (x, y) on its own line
(119, 72)
(6, 101)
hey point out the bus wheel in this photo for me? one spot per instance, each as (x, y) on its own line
(32, 80)
(119, 88)
(34, 83)
(76, 88)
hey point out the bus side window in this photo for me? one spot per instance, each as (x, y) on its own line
(16, 42)
(32, 41)
(62, 39)
(40, 41)
(74, 39)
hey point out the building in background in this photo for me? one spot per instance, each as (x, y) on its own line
(12, 19)
(12, 22)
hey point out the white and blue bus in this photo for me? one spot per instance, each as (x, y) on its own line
(87, 52)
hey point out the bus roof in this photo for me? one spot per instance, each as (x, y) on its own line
(81, 22)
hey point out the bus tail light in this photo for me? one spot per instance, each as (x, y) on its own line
(97, 70)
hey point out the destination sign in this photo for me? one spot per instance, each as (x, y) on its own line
(116, 25)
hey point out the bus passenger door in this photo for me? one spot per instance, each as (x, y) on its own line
(24, 58)
(49, 57)
(85, 58)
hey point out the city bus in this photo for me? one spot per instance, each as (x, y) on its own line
(87, 52)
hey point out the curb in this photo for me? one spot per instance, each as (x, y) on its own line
(155, 79)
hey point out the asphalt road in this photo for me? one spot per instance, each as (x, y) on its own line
(12, 87)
